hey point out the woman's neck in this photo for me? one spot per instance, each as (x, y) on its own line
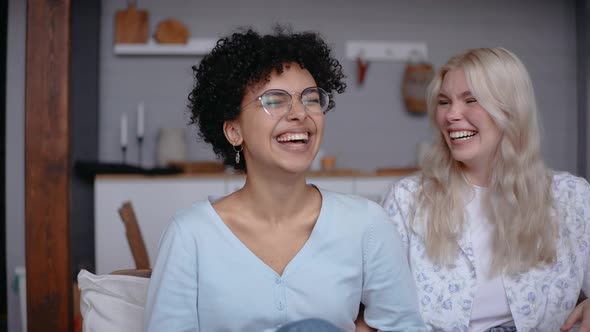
(479, 176)
(277, 199)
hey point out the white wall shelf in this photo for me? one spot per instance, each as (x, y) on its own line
(386, 50)
(195, 46)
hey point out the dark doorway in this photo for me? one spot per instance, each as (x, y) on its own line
(84, 73)
(3, 37)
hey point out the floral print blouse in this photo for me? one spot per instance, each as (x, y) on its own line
(540, 299)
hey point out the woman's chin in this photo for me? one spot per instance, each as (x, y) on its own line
(297, 167)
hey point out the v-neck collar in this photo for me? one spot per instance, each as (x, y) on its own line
(303, 253)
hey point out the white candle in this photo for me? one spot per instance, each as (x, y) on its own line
(140, 120)
(124, 130)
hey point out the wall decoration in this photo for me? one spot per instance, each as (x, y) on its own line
(131, 25)
(171, 31)
(417, 76)
(362, 65)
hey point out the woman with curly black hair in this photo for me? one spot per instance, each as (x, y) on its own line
(278, 250)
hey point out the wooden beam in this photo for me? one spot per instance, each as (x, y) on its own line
(47, 166)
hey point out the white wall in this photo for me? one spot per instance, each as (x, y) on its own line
(15, 153)
(370, 127)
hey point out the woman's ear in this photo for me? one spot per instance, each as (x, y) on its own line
(232, 132)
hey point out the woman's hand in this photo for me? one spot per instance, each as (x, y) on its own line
(580, 314)
(361, 326)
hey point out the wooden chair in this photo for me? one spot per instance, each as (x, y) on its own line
(92, 286)
(143, 273)
(134, 237)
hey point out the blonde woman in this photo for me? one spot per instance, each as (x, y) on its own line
(496, 241)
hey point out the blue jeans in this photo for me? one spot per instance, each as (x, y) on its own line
(309, 325)
(502, 329)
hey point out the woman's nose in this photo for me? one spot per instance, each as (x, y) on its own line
(297, 111)
(455, 113)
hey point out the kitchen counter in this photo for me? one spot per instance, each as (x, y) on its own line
(383, 172)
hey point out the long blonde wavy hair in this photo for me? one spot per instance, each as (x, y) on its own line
(518, 202)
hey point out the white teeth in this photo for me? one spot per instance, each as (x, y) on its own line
(461, 134)
(293, 137)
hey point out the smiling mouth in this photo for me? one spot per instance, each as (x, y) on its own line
(293, 138)
(462, 135)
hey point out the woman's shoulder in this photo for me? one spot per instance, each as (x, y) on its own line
(403, 189)
(194, 215)
(346, 203)
(571, 200)
(356, 216)
(353, 210)
(409, 183)
(565, 183)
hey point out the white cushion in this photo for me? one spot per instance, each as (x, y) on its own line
(112, 302)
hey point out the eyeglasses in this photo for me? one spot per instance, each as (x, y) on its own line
(277, 102)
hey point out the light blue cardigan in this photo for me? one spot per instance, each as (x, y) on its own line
(206, 279)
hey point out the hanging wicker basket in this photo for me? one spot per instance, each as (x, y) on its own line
(417, 76)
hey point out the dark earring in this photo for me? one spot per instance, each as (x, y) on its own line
(238, 150)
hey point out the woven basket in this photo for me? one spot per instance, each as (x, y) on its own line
(417, 76)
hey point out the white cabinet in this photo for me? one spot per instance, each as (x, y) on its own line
(337, 184)
(234, 184)
(373, 187)
(156, 199)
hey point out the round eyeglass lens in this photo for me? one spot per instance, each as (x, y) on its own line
(276, 102)
(315, 99)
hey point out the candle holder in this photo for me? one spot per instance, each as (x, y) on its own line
(124, 153)
(139, 150)
(124, 137)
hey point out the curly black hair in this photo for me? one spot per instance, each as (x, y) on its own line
(240, 61)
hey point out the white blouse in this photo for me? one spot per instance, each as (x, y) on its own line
(490, 304)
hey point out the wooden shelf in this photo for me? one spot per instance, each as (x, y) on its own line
(195, 46)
